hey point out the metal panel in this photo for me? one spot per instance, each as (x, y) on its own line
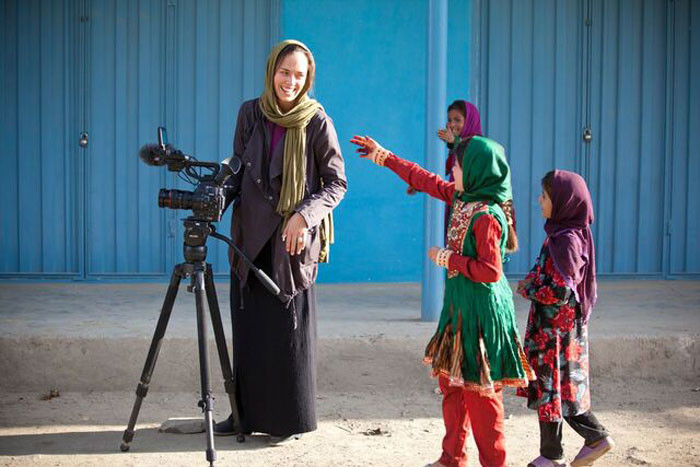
(37, 225)
(126, 231)
(628, 121)
(184, 64)
(219, 64)
(684, 223)
(551, 68)
(116, 69)
(529, 96)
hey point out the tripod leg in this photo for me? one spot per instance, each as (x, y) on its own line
(142, 388)
(207, 402)
(229, 382)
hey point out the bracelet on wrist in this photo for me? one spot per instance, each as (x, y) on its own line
(442, 258)
(382, 154)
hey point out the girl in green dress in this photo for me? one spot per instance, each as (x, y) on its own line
(475, 351)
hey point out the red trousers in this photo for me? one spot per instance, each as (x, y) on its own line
(462, 408)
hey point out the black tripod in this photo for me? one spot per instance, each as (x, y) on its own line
(196, 267)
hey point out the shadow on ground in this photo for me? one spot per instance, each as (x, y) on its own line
(148, 440)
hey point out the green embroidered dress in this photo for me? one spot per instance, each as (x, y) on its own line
(476, 344)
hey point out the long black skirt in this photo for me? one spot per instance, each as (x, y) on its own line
(274, 356)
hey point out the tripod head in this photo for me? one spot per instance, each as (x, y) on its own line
(207, 201)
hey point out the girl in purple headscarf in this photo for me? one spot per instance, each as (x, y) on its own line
(463, 122)
(562, 288)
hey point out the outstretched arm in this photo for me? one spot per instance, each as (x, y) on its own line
(413, 174)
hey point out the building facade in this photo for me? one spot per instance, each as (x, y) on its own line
(606, 88)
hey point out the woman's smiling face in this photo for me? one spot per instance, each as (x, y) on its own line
(290, 78)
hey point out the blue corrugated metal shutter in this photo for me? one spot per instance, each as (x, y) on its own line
(185, 64)
(216, 66)
(529, 95)
(126, 231)
(548, 70)
(116, 70)
(628, 113)
(684, 139)
(37, 211)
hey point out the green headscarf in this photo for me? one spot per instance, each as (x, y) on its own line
(485, 172)
(295, 121)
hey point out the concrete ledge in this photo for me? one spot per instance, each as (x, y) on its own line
(346, 365)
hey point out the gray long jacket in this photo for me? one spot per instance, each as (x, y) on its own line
(255, 219)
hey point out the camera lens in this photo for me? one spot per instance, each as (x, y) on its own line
(175, 199)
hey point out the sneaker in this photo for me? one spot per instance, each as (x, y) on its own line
(589, 454)
(282, 440)
(224, 428)
(542, 461)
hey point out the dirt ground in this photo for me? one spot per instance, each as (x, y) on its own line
(653, 423)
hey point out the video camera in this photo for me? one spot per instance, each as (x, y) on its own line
(208, 200)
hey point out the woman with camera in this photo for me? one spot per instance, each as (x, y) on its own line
(293, 177)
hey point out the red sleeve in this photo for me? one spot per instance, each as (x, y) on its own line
(421, 179)
(486, 267)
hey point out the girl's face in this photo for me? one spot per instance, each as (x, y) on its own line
(545, 203)
(290, 78)
(455, 122)
(457, 174)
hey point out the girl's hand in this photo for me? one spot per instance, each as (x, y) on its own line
(294, 235)
(411, 191)
(432, 254)
(521, 285)
(370, 149)
(446, 135)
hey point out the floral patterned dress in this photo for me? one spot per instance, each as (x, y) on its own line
(556, 344)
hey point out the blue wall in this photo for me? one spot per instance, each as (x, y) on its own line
(371, 75)
(537, 72)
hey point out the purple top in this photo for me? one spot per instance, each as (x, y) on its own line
(276, 134)
(570, 238)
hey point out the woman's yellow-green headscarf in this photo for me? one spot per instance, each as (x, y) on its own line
(295, 121)
(485, 172)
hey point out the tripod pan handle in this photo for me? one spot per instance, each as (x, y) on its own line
(267, 282)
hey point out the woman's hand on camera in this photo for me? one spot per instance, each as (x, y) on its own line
(446, 135)
(294, 235)
(370, 149)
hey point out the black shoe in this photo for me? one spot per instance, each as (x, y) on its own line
(224, 428)
(282, 440)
